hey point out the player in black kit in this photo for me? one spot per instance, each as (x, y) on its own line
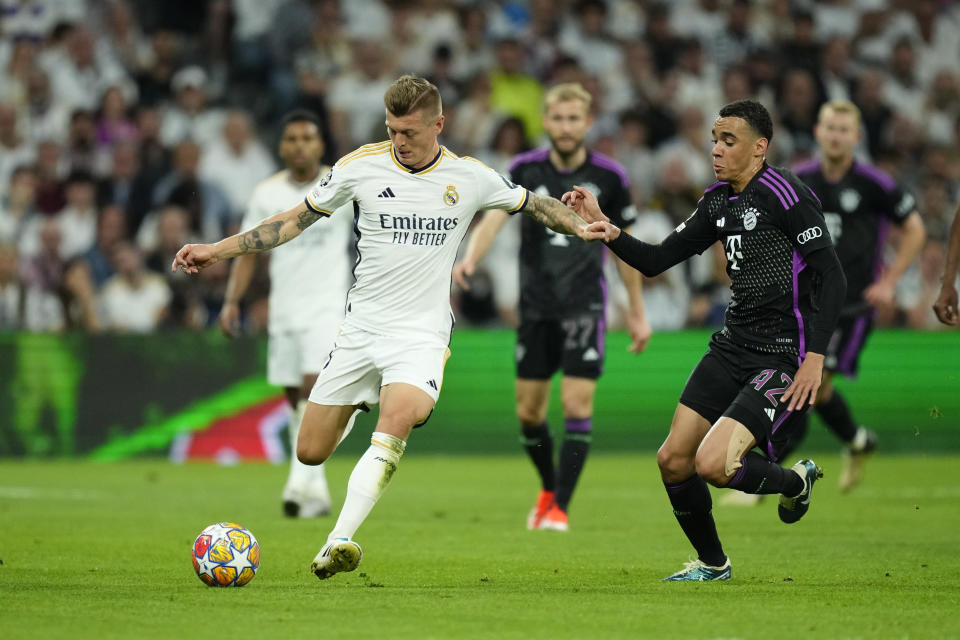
(764, 366)
(562, 297)
(859, 202)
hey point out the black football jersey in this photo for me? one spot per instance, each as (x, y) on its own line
(766, 230)
(858, 210)
(562, 275)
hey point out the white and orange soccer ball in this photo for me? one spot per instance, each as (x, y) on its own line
(226, 554)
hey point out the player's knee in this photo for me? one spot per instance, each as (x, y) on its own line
(674, 463)
(529, 416)
(311, 455)
(710, 468)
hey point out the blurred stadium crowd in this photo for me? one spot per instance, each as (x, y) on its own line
(130, 127)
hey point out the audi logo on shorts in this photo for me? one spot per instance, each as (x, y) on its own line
(809, 234)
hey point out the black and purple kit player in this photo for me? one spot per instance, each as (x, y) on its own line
(860, 204)
(739, 406)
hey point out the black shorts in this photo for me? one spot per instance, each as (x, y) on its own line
(574, 344)
(745, 385)
(846, 343)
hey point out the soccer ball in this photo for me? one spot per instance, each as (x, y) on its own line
(226, 555)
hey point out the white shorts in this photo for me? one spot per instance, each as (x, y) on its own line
(361, 362)
(296, 353)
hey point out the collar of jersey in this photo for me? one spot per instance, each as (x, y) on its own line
(430, 165)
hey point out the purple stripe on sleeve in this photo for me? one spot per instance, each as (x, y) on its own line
(883, 179)
(578, 425)
(798, 265)
(776, 191)
(606, 162)
(786, 185)
(815, 197)
(535, 155)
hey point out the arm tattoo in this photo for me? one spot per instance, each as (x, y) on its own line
(553, 214)
(261, 238)
(306, 218)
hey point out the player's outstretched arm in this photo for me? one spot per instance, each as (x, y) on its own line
(270, 233)
(946, 305)
(481, 239)
(551, 213)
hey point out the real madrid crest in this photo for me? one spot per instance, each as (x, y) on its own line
(450, 196)
(849, 199)
(750, 219)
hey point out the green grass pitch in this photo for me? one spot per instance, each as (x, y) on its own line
(103, 551)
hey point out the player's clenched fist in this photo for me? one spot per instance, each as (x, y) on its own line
(193, 257)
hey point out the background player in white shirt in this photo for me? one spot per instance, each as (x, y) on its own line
(413, 200)
(305, 309)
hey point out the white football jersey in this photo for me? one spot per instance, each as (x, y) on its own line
(310, 275)
(410, 223)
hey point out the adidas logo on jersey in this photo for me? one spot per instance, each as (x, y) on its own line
(770, 413)
(591, 355)
(387, 193)
(433, 384)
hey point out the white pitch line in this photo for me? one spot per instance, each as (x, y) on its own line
(48, 493)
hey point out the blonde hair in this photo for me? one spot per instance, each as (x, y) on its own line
(567, 91)
(839, 106)
(409, 94)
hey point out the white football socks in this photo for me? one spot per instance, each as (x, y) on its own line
(370, 478)
(302, 476)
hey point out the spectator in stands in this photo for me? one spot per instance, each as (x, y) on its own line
(42, 275)
(78, 220)
(46, 118)
(236, 161)
(18, 211)
(877, 115)
(134, 299)
(113, 121)
(155, 77)
(51, 172)
(21, 59)
(126, 186)
(205, 203)
(111, 229)
(903, 90)
(837, 76)
(356, 98)
(515, 92)
(191, 118)
(11, 291)
(84, 72)
(81, 151)
(472, 52)
(14, 150)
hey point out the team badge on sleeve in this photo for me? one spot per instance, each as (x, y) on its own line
(450, 196)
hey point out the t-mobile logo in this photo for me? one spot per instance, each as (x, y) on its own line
(733, 251)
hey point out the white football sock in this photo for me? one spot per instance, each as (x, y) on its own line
(370, 478)
(301, 474)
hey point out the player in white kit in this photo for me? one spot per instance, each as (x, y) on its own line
(305, 310)
(413, 200)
